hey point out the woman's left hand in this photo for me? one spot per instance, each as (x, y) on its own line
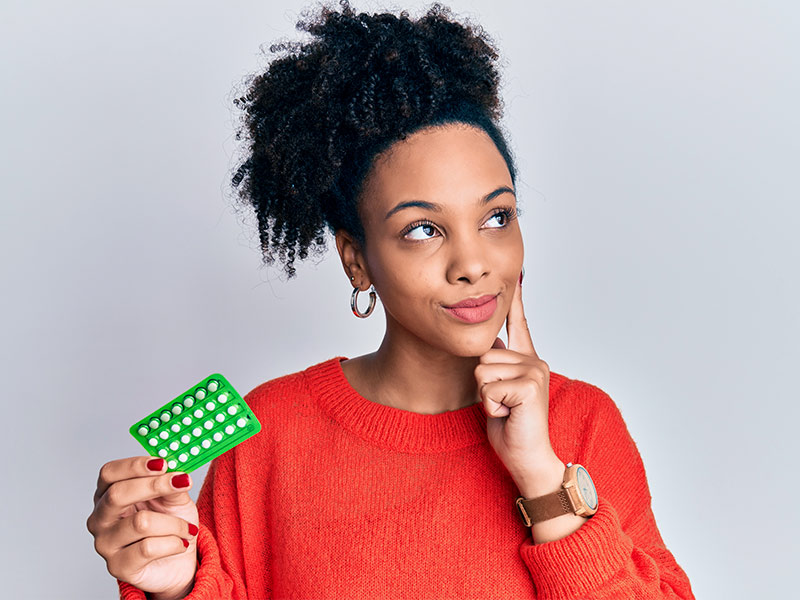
(514, 386)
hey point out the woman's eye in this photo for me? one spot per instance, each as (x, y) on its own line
(502, 218)
(425, 228)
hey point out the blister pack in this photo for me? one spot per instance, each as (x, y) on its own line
(197, 426)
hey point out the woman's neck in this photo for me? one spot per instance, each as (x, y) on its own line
(414, 377)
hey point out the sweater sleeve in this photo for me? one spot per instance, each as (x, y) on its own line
(219, 544)
(619, 552)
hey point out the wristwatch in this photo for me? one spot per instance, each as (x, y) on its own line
(576, 496)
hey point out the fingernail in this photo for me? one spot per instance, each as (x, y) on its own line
(193, 529)
(155, 464)
(521, 275)
(180, 481)
(185, 543)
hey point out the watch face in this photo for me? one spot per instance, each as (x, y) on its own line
(586, 487)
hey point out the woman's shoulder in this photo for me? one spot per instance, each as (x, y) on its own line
(290, 386)
(578, 396)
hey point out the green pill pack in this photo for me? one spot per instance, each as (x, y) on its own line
(197, 426)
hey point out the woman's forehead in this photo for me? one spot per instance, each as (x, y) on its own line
(444, 165)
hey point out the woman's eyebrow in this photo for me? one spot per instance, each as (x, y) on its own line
(437, 208)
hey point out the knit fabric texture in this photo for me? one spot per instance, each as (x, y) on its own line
(340, 497)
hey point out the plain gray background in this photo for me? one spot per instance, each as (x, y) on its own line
(658, 153)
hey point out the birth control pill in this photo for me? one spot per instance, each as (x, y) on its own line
(198, 425)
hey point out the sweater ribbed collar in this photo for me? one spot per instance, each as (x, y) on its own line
(389, 427)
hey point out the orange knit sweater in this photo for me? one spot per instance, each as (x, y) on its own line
(339, 497)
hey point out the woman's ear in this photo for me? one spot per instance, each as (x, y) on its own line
(352, 258)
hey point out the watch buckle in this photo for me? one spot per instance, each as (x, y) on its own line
(525, 517)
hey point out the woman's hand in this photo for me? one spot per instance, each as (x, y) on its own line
(144, 525)
(514, 385)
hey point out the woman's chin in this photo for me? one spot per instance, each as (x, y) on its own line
(475, 347)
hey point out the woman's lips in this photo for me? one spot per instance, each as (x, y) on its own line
(474, 314)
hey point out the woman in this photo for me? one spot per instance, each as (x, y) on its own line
(440, 465)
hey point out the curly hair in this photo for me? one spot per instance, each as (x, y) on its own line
(316, 119)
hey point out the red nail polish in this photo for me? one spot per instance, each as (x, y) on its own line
(521, 274)
(155, 464)
(180, 481)
(185, 543)
(193, 529)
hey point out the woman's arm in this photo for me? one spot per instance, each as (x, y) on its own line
(617, 553)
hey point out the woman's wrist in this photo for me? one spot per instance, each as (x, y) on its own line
(540, 479)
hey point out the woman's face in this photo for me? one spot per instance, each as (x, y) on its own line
(440, 222)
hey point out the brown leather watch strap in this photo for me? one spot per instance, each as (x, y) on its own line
(543, 508)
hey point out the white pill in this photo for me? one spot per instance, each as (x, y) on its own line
(173, 446)
(232, 409)
(229, 429)
(213, 385)
(187, 420)
(199, 393)
(165, 416)
(143, 430)
(175, 427)
(208, 424)
(217, 436)
(153, 442)
(223, 398)
(185, 438)
(162, 453)
(241, 422)
(197, 432)
(172, 464)
(195, 451)
(198, 413)
(163, 435)
(220, 418)
(154, 424)
(183, 458)
(210, 405)
(206, 443)
(188, 401)
(177, 409)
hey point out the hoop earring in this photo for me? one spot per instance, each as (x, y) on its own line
(354, 305)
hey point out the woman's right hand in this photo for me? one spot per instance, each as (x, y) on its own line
(144, 525)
